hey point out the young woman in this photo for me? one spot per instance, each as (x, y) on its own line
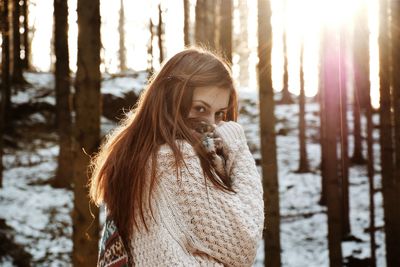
(181, 194)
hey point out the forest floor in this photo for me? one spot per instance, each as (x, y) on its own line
(35, 218)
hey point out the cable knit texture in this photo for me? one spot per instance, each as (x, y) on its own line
(195, 223)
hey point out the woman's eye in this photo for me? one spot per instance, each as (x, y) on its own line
(200, 109)
(220, 115)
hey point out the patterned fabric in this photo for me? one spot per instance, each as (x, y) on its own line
(112, 249)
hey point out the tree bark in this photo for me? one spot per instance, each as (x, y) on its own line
(272, 247)
(225, 29)
(160, 34)
(395, 11)
(391, 198)
(286, 97)
(186, 22)
(16, 77)
(242, 44)
(121, 30)
(331, 80)
(27, 52)
(205, 28)
(5, 80)
(303, 163)
(344, 149)
(150, 56)
(87, 131)
(64, 172)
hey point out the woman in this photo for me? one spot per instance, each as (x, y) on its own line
(160, 177)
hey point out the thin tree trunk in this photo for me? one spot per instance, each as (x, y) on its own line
(303, 163)
(27, 53)
(242, 44)
(272, 247)
(87, 132)
(331, 80)
(286, 97)
(361, 79)
(344, 149)
(150, 56)
(62, 83)
(17, 77)
(186, 22)
(320, 96)
(160, 34)
(370, 170)
(391, 199)
(225, 29)
(121, 30)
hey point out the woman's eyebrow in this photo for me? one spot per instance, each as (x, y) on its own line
(208, 105)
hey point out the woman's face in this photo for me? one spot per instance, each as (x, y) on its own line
(210, 103)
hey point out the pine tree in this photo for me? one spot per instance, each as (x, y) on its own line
(205, 28)
(272, 247)
(87, 132)
(26, 44)
(242, 43)
(186, 22)
(286, 97)
(160, 34)
(62, 87)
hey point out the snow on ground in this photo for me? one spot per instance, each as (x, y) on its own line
(40, 214)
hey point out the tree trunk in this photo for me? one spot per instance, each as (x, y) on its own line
(242, 44)
(160, 34)
(87, 132)
(303, 163)
(320, 96)
(370, 170)
(121, 30)
(62, 83)
(186, 22)
(5, 80)
(344, 149)
(286, 97)
(395, 11)
(150, 56)
(225, 29)
(205, 29)
(391, 197)
(331, 80)
(361, 79)
(5, 65)
(16, 77)
(27, 53)
(272, 247)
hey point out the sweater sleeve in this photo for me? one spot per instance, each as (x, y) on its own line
(225, 226)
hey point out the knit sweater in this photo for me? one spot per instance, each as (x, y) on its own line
(196, 224)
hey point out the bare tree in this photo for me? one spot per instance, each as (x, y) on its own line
(150, 56)
(331, 80)
(160, 34)
(241, 43)
(272, 247)
(303, 162)
(5, 102)
(186, 22)
(391, 197)
(26, 44)
(87, 132)
(205, 28)
(225, 29)
(121, 30)
(62, 83)
(286, 97)
(16, 75)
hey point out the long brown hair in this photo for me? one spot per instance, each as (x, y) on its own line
(119, 171)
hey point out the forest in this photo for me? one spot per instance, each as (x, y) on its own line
(319, 100)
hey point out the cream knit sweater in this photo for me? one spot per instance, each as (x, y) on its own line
(196, 224)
